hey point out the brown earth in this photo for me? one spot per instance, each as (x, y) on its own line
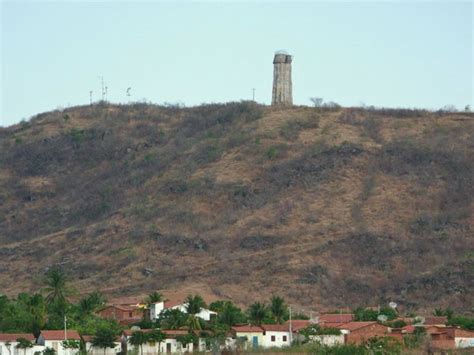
(327, 207)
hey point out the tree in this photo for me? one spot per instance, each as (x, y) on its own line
(278, 309)
(91, 303)
(49, 351)
(173, 319)
(71, 344)
(139, 338)
(229, 314)
(24, 344)
(257, 313)
(104, 338)
(186, 339)
(194, 305)
(317, 101)
(56, 285)
(157, 336)
(154, 297)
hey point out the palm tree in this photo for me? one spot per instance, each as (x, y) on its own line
(230, 314)
(257, 313)
(173, 319)
(56, 286)
(194, 305)
(138, 339)
(278, 309)
(154, 297)
(91, 303)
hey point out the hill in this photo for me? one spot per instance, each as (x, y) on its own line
(327, 207)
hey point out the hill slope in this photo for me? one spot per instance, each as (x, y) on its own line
(326, 207)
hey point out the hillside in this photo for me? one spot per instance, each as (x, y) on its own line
(327, 207)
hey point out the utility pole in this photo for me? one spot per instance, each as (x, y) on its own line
(106, 89)
(65, 327)
(90, 97)
(253, 94)
(291, 328)
(103, 89)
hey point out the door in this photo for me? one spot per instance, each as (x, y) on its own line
(168, 348)
(255, 342)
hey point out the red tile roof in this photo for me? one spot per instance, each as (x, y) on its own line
(336, 318)
(436, 320)
(59, 335)
(129, 332)
(461, 333)
(90, 338)
(330, 325)
(12, 337)
(408, 329)
(276, 327)
(351, 326)
(298, 324)
(172, 303)
(247, 329)
(128, 301)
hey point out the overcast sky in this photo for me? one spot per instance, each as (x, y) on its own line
(396, 54)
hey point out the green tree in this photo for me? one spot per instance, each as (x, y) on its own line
(186, 339)
(71, 344)
(229, 314)
(139, 338)
(49, 351)
(157, 336)
(104, 338)
(257, 313)
(279, 309)
(154, 297)
(173, 319)
(24, 344)
(194, 305)
(56, 286)
(91, 303)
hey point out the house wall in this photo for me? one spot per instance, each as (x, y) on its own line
(118, 314)
(57, 345)
(204, 314)
(13, 350)
(250, 337)
(152, 349)
(363, 334)
(329, 340)
(279, 339)
(464, 342)
(100, 351)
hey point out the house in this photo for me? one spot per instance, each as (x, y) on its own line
(169, 345)
(359, 332)
(328, 319)
(54, 338)
(249, 336)
(463, 338)
(92, 350)
(9, 342)
(123, 314)
(158, 307)
(441, 337)
(276, 335)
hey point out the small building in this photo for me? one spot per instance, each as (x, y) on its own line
(360, 332)
(158, 307)
(329, 320)
(436, 321)
(276, 335)
(92, 350)
(249, 336)
(54, 339)
(9, 344)
(463, 338)
(123, 314)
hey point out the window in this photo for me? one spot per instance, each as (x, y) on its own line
(284, 337)
(130, 314)
(273, 338)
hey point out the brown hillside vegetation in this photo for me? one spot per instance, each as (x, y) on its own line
(327, 207)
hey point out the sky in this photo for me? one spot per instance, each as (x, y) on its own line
(390, 54)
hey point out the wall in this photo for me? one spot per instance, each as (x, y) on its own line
(279, 342)
(329, 340)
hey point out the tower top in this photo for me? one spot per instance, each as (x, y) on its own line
(282, 58)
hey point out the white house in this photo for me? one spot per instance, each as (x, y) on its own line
(157, 308)
(54, 339)
(9, 344)
(463, 338)
(276, 335)
(91, 349)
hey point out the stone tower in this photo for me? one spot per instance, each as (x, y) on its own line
(282, 84)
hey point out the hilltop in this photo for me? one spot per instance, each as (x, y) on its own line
(327, 207)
